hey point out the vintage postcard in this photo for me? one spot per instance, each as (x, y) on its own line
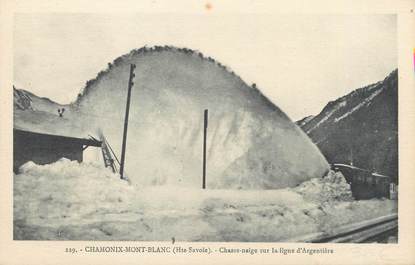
(204, 132)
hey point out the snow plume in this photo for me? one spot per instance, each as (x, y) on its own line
(251, 143)
(81, 201)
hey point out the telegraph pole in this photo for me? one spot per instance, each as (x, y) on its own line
(127, 111)
(204, 148)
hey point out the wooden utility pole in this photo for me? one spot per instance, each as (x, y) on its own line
(127, 111)
(204, 148)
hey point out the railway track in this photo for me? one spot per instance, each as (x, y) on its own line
(374, 230)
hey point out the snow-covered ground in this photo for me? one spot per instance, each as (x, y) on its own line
(84, 201)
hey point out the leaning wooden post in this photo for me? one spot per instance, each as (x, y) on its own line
(127, 111)
(204, 148)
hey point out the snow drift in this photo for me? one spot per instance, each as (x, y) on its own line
(251, 142)
(68, 200)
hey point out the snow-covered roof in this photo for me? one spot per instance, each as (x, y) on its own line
(379, 175)
(348, 166)
(361, 169)
(47, 123)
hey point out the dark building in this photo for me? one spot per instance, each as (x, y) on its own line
(46, 148)
(366, 184)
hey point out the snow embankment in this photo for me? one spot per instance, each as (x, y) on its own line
(79, 201)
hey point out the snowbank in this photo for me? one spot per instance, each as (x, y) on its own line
(333, 187)
(71, 200)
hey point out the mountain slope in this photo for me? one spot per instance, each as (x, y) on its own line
(37, 114)
(361, 127)
(251, 142)
(304, 120)
(26, 100)
(21, 100)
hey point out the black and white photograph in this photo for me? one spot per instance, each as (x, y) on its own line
(231, 128)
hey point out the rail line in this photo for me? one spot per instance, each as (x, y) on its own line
(361, 232)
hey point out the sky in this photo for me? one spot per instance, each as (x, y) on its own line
(300, 62)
